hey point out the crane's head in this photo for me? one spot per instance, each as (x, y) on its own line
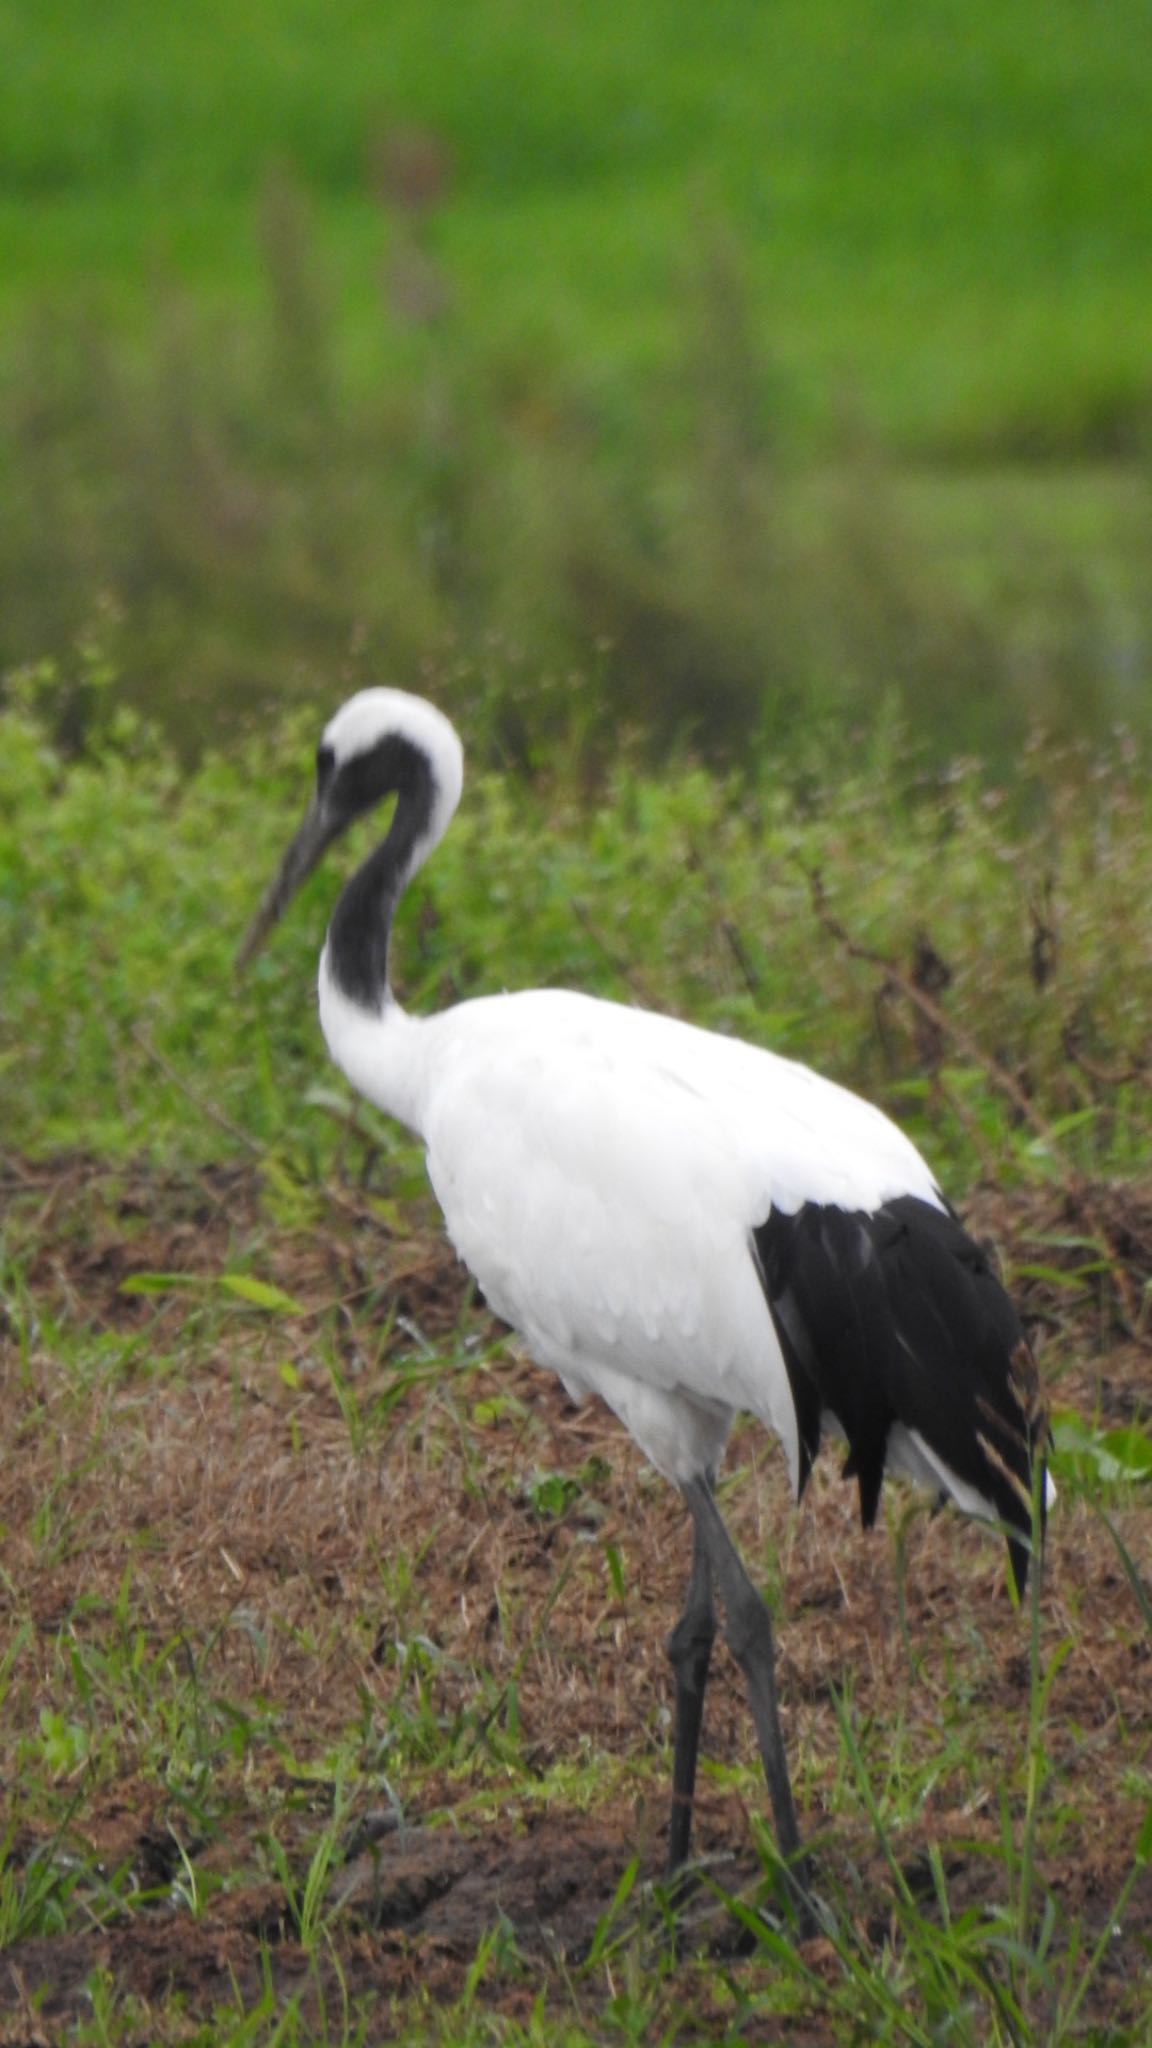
(380, 743)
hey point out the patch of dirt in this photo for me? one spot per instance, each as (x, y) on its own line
(217, 1457)
(413, 1915)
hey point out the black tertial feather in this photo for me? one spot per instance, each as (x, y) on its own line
(896, 1316)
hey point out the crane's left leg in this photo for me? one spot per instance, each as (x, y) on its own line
(689, 1653)
(749, 1633)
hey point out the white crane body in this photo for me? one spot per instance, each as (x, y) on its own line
(687, 1225)
(601, 1169)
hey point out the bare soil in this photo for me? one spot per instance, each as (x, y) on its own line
(261, 1535)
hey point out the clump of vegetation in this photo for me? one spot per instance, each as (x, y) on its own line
(968, 956)
(251, 519)
(502, 357)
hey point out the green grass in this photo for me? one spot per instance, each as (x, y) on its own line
(706, 368)
(944, 209)
(125, 1024)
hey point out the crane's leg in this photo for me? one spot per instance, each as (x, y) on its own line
(689, 1653)
(748, 1629)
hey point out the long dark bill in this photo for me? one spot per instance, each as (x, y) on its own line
(315, 835)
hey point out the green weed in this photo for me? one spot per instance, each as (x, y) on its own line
(307, 1902)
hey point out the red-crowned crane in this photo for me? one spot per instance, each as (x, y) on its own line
(680, 1222)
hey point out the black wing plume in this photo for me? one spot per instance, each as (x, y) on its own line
(896, 1316)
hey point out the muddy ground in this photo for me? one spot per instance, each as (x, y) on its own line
(262, 1527)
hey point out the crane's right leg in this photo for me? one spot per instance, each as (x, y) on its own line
(748, 1628)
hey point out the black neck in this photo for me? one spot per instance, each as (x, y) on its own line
(361, 927)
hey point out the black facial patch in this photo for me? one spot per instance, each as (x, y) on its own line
(394, 766)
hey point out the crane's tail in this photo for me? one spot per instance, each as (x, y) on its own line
(894, 1326)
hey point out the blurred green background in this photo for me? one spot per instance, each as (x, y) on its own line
(712, 374)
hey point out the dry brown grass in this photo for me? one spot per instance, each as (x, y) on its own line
(185, 1483)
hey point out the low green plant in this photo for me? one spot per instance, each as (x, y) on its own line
(308, 1903)
(35, 1896)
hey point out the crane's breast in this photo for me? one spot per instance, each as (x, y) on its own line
(603, 1214)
